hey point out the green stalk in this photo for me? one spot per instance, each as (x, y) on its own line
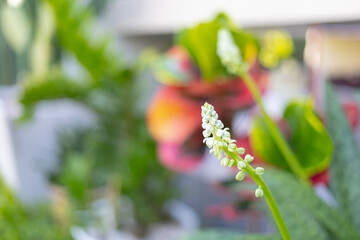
(267, 194)
(290, 157)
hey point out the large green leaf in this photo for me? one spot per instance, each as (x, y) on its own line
(345, 165)
(201, 42)
(296, 200)
(55, 85)
(308, 139)
(75, 33)
(226, 235)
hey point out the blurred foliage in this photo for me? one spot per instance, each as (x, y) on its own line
(20, 222)
(345, 179)
(116, 153)
(201, 41)
(224, 235)
(23, 38)
(307, 216)
(304, 126)
(277, 45)
(300, 206)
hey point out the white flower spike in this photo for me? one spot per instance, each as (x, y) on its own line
(229, 52)
(218, 139)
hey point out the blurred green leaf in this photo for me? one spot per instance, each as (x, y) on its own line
(20, 222)
(41, 48)
(345, 177)
(76, 177)
(16, 27)
(75, 33)
(201, 42)
(307, 128)
(308, 138)
(52, 86)
(226, 235)
(293, 199)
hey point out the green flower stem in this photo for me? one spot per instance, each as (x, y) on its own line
(267, 194)
(290, 157)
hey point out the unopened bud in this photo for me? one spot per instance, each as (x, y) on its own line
(259, 193)
(240, 176)
(259, 170)
(241, 165)
(249, 158)
(225, 161)
(240, 151)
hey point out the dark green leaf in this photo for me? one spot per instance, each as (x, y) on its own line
(345, 165)
(293, 199)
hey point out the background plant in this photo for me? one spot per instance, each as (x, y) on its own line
(116, 153)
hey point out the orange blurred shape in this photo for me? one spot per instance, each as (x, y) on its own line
(171, 117)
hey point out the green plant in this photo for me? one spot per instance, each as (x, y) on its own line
(220, 142)
(20, 222)
(303, 126)
(314, 210)
(229, 54)
(116, 153)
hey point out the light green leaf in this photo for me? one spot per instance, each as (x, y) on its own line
(15, 26)
(308, 138)
(345, 165)
(41, 49)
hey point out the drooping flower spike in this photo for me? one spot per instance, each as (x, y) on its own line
(218, 139)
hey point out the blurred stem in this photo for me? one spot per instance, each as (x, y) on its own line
(285, 149)
(267, 194)
(115, 193)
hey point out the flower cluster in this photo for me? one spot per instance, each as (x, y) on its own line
(229, 52)
(218, 139)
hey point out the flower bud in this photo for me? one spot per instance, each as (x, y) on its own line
(206, 133)
(259, 171)
(219, 124)
(209, 128)
(206, 119)
(240, 151)
(249, 158)
(232, 147)
(241, 165)
(225, 161)
(219, 133)
(210, 142)
(240, 176)
(259, 193)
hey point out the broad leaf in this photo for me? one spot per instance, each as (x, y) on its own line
(312, 144)
(345, 165)
(308, 139)
(296, 200)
